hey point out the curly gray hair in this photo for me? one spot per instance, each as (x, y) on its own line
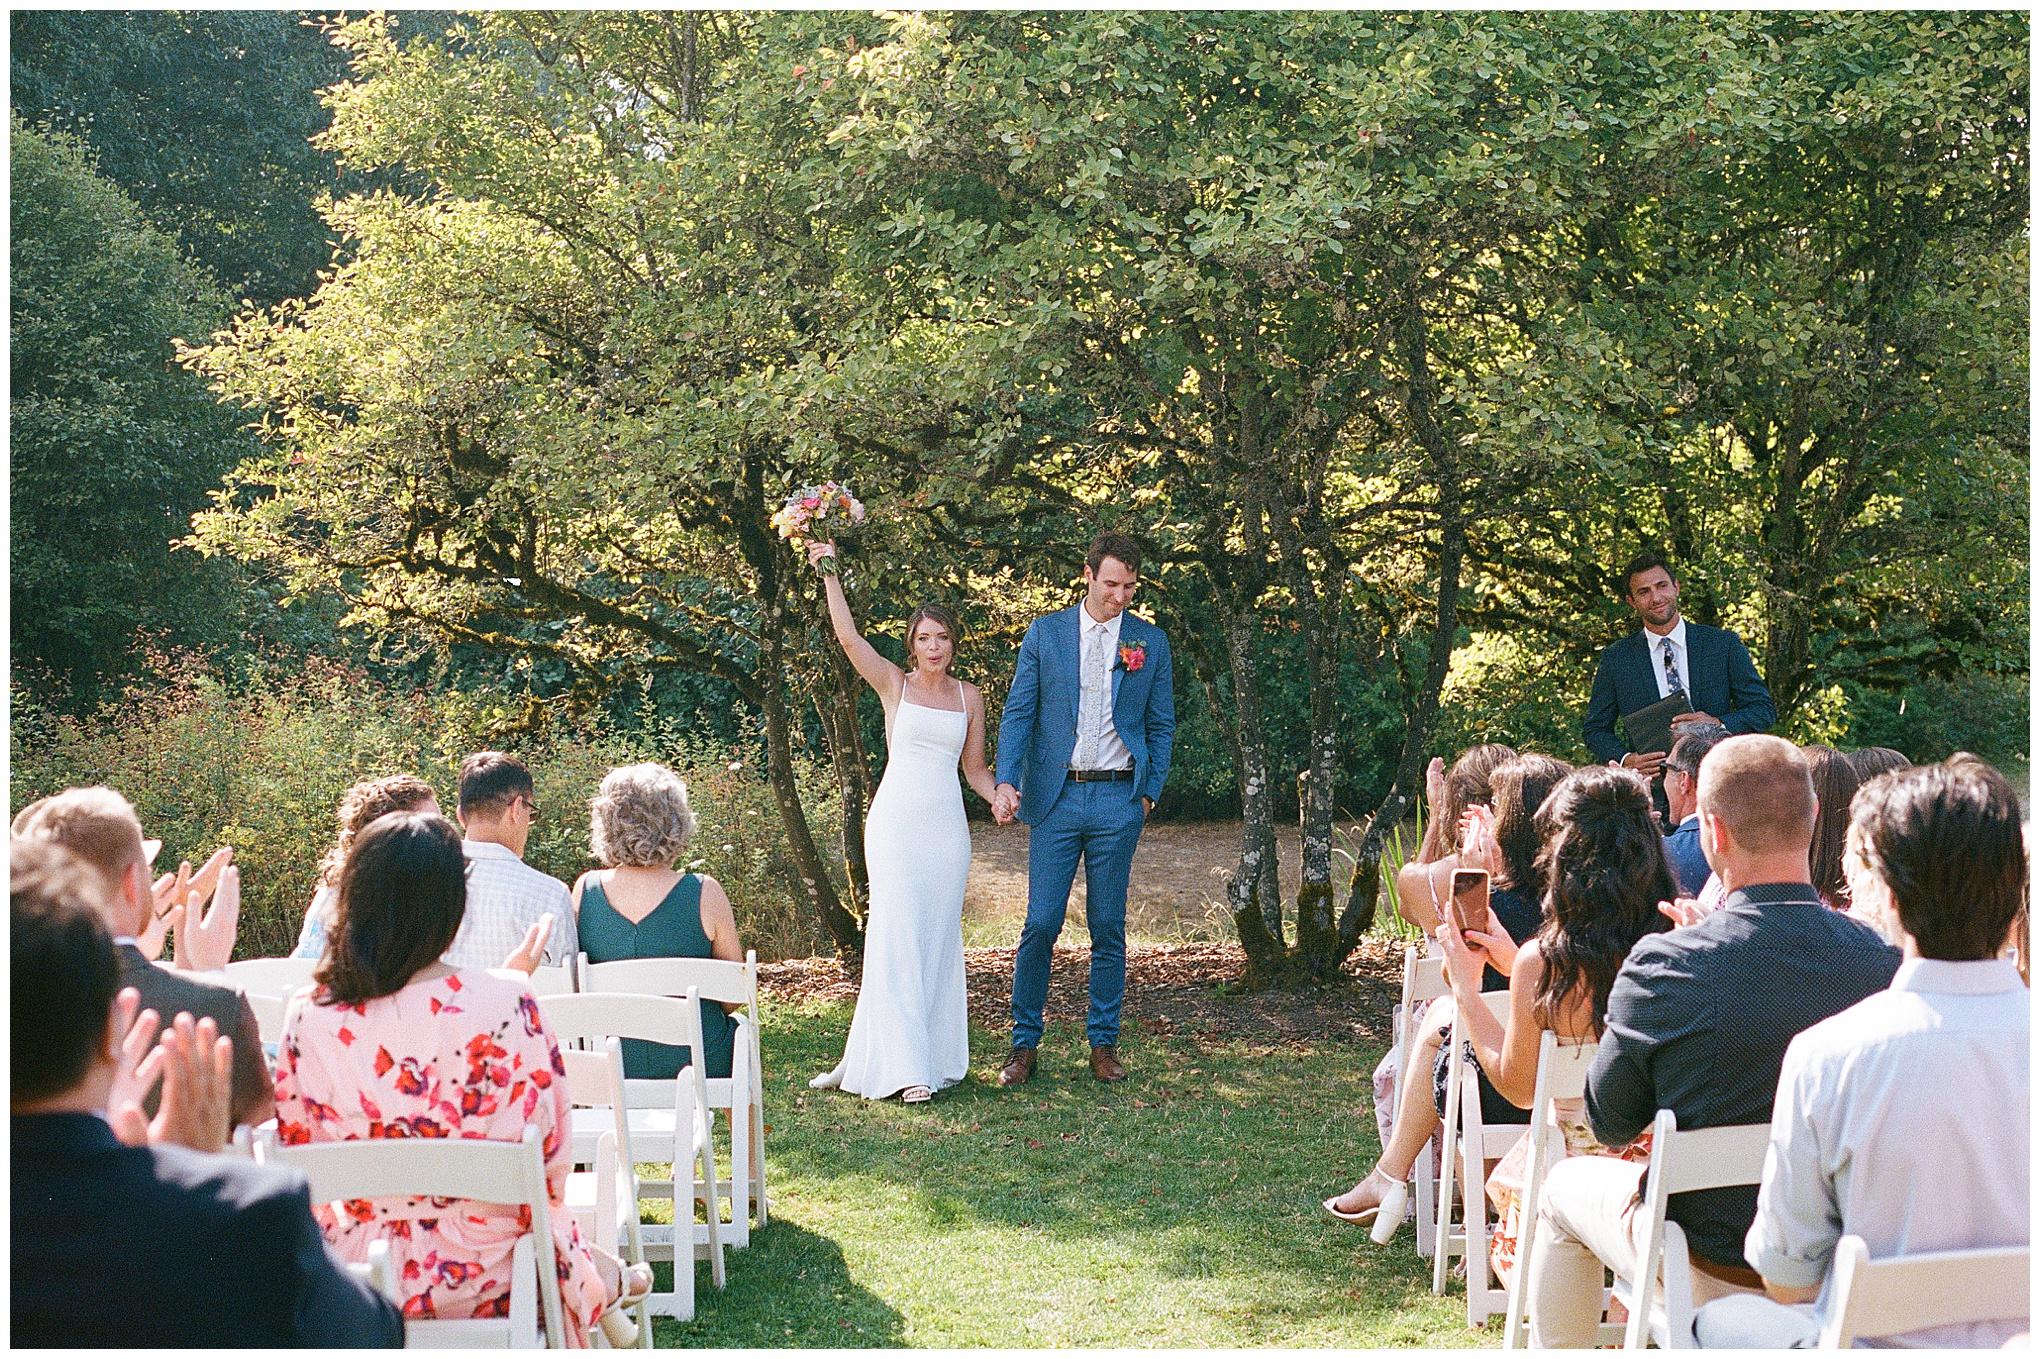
(640, 819)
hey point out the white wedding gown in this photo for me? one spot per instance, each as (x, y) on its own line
(912, 1025)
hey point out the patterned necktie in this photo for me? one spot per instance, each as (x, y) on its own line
(1673, 684)
(1097, 685)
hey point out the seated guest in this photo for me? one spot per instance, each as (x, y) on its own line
(1834, 783)
(149, 1242)
(395, 1042)
(1604, 871)
(1509, 852)
(640, 905)
(205, 938)
(99, 827)
(1697, 1023)
(359, 805)
(1904, 1119)
(506, 896)
(1423, 881)
(1682, 794)
(1871, 761)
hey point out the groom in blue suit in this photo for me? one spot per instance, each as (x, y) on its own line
(1710, 665)
(1083, 752)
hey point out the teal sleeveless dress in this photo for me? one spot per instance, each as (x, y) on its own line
(672, 930)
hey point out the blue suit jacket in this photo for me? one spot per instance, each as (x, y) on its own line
(1723, 682)
(164, 1246)
(1038, 730)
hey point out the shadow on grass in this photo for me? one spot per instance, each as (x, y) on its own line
(790, 1287)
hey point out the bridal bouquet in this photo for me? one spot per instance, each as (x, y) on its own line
(817, 512)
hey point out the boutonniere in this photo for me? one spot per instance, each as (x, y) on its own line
(1132, 658)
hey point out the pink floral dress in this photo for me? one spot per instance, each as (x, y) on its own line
(465, 1055)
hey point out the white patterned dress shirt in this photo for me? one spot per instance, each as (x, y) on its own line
(505, 897)
(1903, 1120)
(1098, 744)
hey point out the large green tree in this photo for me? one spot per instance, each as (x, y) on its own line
(112, 445)
(205, 118)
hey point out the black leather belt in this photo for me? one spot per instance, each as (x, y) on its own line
(1101, 776)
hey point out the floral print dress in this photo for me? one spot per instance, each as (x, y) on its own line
(464, 1055)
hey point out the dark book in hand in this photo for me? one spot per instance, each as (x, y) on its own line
(1650, 729)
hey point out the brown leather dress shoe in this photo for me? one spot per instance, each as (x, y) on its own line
(1105, 1063)
(1019, 1067)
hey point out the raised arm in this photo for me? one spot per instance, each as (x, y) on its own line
(878, 672)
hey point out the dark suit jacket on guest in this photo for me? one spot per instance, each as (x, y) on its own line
(163, 1246)
(168, 992)
(1721, 680)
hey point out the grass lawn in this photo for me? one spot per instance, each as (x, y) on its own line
(1178, 1209)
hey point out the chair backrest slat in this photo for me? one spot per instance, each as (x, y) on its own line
(270, 976)
(1714, 1158)
(457, 1168)
(600, 1014)
(1877, 1298)
(714, 978)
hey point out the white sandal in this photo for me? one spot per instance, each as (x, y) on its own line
(916, 1094)
(617, 1327)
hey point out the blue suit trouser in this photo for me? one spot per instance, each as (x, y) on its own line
(1099, 823)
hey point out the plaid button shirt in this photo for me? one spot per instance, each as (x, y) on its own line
(505, 897)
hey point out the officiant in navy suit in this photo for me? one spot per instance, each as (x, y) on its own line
(1669, 655)
(1083, 752)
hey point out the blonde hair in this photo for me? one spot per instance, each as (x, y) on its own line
(640, 818)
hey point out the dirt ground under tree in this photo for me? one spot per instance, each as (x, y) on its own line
(1182, 963)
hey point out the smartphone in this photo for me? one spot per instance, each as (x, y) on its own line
(1469, 904)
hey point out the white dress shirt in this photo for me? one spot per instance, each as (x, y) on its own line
(505, 897)
(1098, 744)
(1677, 640)
(1902, 1120)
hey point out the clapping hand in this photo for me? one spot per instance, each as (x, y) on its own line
(1684, 911)
(1478, 848)
(526, 956)
(206, 943)
(195, 1065)
(171, 900)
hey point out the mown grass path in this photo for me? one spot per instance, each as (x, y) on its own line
(1178, 1209)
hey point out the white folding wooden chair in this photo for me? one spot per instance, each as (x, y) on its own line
(740, 1095)
(1561, 1074)
(268, 1012)
(1464, 1135)
(1660, 1295)
(548, 981)
(455, 1168)
(375, 1271)
(269, 976)
(688, 1141)
(1872, 1299)
(604, 1201)
(1423, 982)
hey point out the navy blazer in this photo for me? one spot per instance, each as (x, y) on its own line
(1721, 681)
(1038, 730)
(163, 1246)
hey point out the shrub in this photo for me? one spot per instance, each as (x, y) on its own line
(261, 765)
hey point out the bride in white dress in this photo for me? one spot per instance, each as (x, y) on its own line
(911, 1033)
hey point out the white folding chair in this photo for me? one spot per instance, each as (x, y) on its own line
(740, 1094)
(1872, 1299)
(1681, 1162)
(687, 1141)
(547, 981)
(375, 1271)
(268, 1012)
(1561, 1074)
(604, 1201)
(269, 976)
(1462, 1133)
(454, 1168)
(1423, 982)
